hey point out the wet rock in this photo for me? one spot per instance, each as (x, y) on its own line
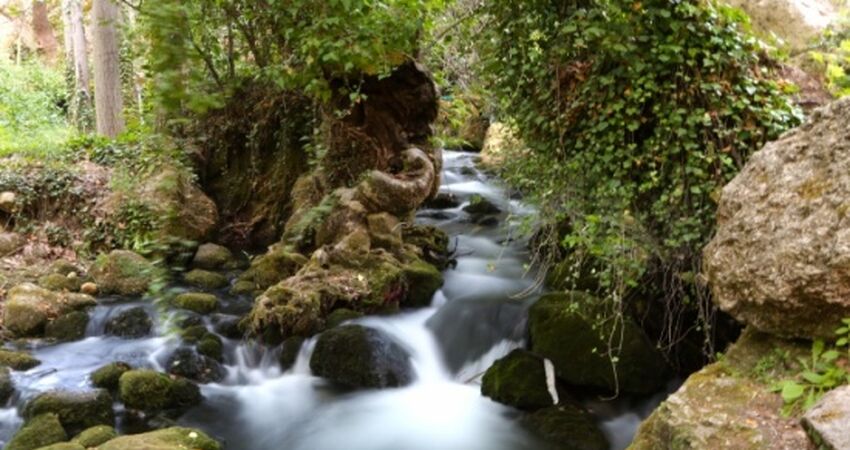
(211, 346)
(174, 438)
(562, 328)
(197, 302)
(28, 308)
(133, 323)
(186, 362)
(289, 351)
(89, 288)
(780, 257)
(519, 380)
(340, 316)
(213, 257)
(479, 206)
(122, 272)
(269, 269)
(68, 327)
(358, 357)
(148, 390)
(227, 326)
(443, 200)
(76, 410)
(565, 427)
(107, 376)
(10, 243)
(38, 432)
(205, 279)
(59, 282)
(17, 360)
(486, 221)
(423, 280)
(828, 422)
(94, 436)
(431, 242)
(7, 387)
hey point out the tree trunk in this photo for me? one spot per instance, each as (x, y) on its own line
(44, 36)
(78, 64)
(107, 68)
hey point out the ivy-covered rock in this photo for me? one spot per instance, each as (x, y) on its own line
(122, 272)
(28, 308)
(213, 257)
(423, 281)
(68, 327)
(148, 390)
(107, 376)
(197, 302)
(132, 323)
(75, 410)
(173, 438)
(519, 380)
(568, 329)
(94, 436)
(17, 360)
(38, 432)
(205, 279)
(565, 427)
(359, 357)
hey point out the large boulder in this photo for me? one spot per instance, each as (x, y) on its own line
(132, 323)
(17, 360)
(174, 438)
(107, 376)
(29, 308)
(828, 422)
(69, 327)
(205, 279)
(94, 436)
(122, 272)
(150, 391)
(569, 329)
(38, 432)
(75, 410)
(780, 259)
(520, 380)
(565, 427)
(359, 357)
(796, 22)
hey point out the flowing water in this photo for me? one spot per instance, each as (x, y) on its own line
(474, 319)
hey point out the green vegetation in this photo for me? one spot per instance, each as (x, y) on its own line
(833, 57)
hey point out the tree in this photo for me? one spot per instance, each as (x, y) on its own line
(78, 64)
(43, 31)
(107, 70)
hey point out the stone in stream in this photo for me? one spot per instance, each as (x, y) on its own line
(75, 410)
(132, 323)
(443, 200)
(122, 272)
(7, 387)
(520, 380)
(174, 438)
(188, 363)
(828, 422)
(213, 257)
(359, 357)
(70, 327)
(479, 206)
(227, 326)
(107, 376)
(197, 302)
(17, 360)
(424, 280)
(94, 436)
(289, 351)
(565, 427)
(205, 279)
(38, 432)
(28, 308)
(151, 391)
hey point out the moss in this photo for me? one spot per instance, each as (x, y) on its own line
(17, 360)
(64, 446)
(174, 438)
(145, 390)
(69, 327)
(432, 243)
(194, 333)
(244, 287)
(197, 302)
(38, 432)
(205, 279)
(423, 280)
(340, 316)
(76, 410)
(59, 282)
(565, 427)
(63, 267)
(518, 380)
(289, 351)
(7, 387)
(270, 269)
(210, 345)
(107, 376)
(122, 272)
(213, 257)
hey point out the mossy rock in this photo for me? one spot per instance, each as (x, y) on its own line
(359, 357)
(213, 257)
(269, 269)
(565, 427)
(518, 380)
(145, 390)
(28, 308)
(197, 302)
(68, 327)
(59, 282)
(340, 316)
(194, 333)
(63, 267)
(174, 438)
(423, 281)
(211, 346)
(76, 410)
(64, 446)
(431, 242)
(205, 279)
(132, 323)
(564, 327)
(289, 351)
(122, 272)
(107, 376)
(17, 360)
(94, 436)
(38, 432)
(7, 387)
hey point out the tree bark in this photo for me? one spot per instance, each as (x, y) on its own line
(107, 69)
(44, 35)
(78, 64)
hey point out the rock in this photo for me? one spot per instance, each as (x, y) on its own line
(38, 432)
(64, 268)
(174, 438)
(340, 316)
(227, 326)
(7, 387)
(68, 327)
(76, 410)
(211, 346)
(10, 243)
(423, 280)
(781, 253)
(17, 360)
(188, 363)
(562, 329)
(565, 427)
(89, 288)
(500, 142)
(197, 302)
(131, 323)
(828, 422)
(360, 357)
(64, 446)
(795, 22)
(213, 257)
(148, 390)
(122, 272)
(431, 242)
(107, 376)
(384, 231)
(289, 351)
(443, 200)
(28, 308)
(94, 436)
(479, 206)
(205, 279)
(519, 380)
(59, 282)
(7, 202)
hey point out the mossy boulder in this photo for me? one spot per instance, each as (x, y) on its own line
(565, 427)
(38, 432)
(148, 390)
(568, 329)
(289, 351)
(211, 346)
(63, 267)
(59, 282)
(94, 436)
(423, 281)
(519, 380)
(267, 270)
(122, 272)
(197, 302)
(174, 438)
(107, 376)
(340, 316)
(205, 279)
(28, 308)
(131, 323)
(64, 446)
(213, 257)
(431, 243)
(359, 357)
(68, 327)
(7, 387)
(17, 360)
(76, 410)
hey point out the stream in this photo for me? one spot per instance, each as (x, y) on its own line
(475, 319)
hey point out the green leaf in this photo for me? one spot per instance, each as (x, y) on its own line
(792, 391)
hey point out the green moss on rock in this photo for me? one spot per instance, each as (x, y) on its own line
(174, 438)
(76, 410)
(7, 387)
(275, 266)
(565, 427)
(518, 380)
(340, 316)
(423, 280)
(94, 436)
(148, 390)
(28, 308)
(17, 360)
(210, 345)
(68, 327)
(64, 446)
(197, 302)
(213, 257)
(107, 376)
(38, 432)
(361, 357)
(122, 272)
(205, 279)
(59, 282)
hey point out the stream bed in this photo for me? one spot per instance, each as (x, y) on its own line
(476, 318)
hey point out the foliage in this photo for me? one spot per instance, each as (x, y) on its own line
(833, 56)
(636, 113)
(823, 371)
